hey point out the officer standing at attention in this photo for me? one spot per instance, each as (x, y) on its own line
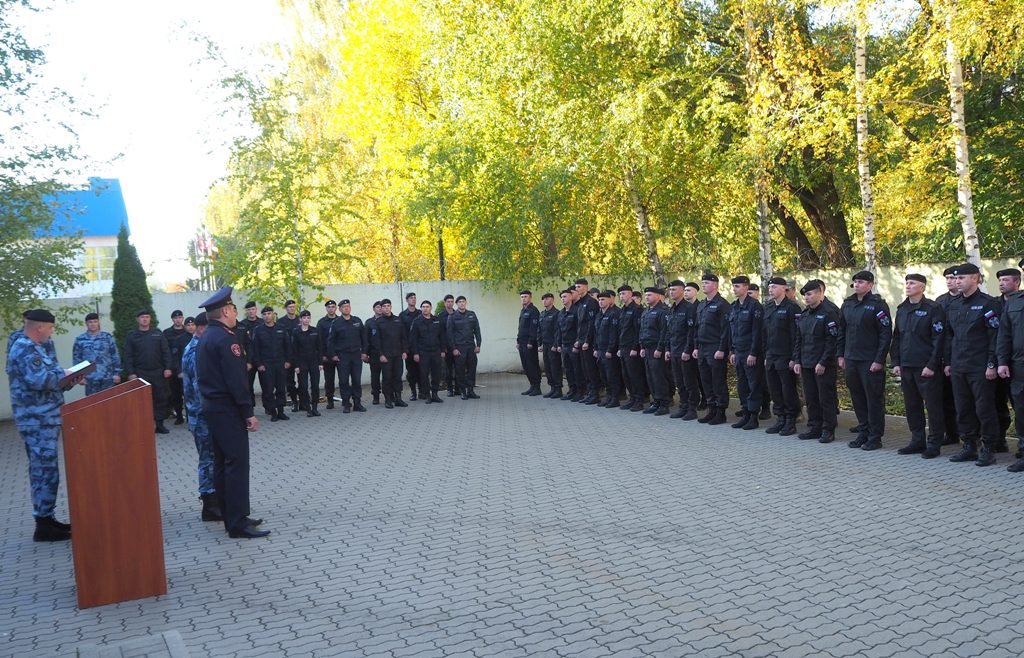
(428, 345)
(606, 348)
(198, 426)
(549, 346)
(781, 341)
(307, 351)
(972, 324)
(1010, 357)
(527, 340)
(863, 345)
(323, 327)
(586, 309)
(348, 346)
(412, 369)
(177, 338)
(390, 339)
(746, 336)
(147, 355)
(374, 355)
(247, 325)
(567, 332)
(220, 369)
(948, 404)
(270, 357)
(633, 369)
(918, 347)
(1008, 281)
(653, 326)
(815, 361)
(711, 346)
(97, 347)
(463, 333)
(680, 325)
(449, 360)
(288, 324)
(36, 399)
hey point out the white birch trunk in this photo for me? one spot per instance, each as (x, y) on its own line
(643, 224)
(867, 198)
(965, 203)
(764, 235)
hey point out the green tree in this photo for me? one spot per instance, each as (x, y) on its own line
(130, 293)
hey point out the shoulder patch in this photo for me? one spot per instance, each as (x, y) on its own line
(236, 349)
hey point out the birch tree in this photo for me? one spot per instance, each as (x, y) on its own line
(867, 198)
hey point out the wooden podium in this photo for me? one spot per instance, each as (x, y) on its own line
(114, 495)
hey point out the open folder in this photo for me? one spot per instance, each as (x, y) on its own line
(78, 370)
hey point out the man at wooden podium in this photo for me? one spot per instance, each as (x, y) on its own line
(220, 369)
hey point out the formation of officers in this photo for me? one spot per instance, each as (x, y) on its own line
(959, 358)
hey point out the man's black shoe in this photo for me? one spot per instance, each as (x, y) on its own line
(358, 406)
(47, 529)
(273, 417)
(777, 427)
(310, 414)
(639, 405)
(412, 397)
(789, 429)
(662, 410)
(706, 418)
(569, 394)
(857, 429)
(160, 429)
(433, 398)
(751, 423)
(295, 407)
(388, 404)
(1016, 467)
(280, 414)
(678, 413)
(248, 532)
(872, 445)
(913, 448)
(252, 522)
(690, 415)
(931, 452)
(534, 392)
(376, 399)
(465, 396)
(827, 437)
(986, 457)
(330, 401)
(179, 420)
(967, 454)
(527, 391)
(859, 442)
(742, 421)
(651, 409)
(346, 409)
(810, 435)
(612, 404)
(718, 418)
(472, 394)
(399, 402)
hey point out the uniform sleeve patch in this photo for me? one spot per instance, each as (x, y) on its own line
(236, 349)
(937, 326)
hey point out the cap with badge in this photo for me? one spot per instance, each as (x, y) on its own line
(654, 289)
(267, 309)
(219, 299)
(677, 283)
(754, 287)
(914, 276)
(1010, 272)
(39, 315)
(949, 271)
(625, 287)
(813, 284)
(305, 313)
(693, 284)
(742, 279)
(176, 313)
(250, 304)
(190, 320)
(330, 302)
(385, 301)
(966, 268)
(605, 294)
(863, 275)
(708, 276)
(776, 281)
(343, 302)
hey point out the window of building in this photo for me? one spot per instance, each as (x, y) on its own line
(98, 263)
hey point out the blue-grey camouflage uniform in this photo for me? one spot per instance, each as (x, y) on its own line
(36, 399)
(18, 333)
(196, 418)
(100, 349)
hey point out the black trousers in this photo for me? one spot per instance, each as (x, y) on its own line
(1003, 401)
(293, 388)
(465, 367)
(350, 377)
(713, 377)
(230, 460)
(159, 389)
(658, 377)
(412, 373)
(976, 408)
(571, 366)
(612, 369)
(177, 393)
(921, 394)
(822, 400)
(553, 366)
(375, 368)
(330, 367)
(252, 374)
(591, 373)
(867, 391)
(682, 375)
(531, 364)
(309, 384)
(430, 372)
(636, 375)
(1017, 391)
(949, 406)
(391, 377)
(449, 370)
(272, 381)
(748, 383)
(782, 384)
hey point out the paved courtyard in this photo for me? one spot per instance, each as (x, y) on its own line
(515, 526)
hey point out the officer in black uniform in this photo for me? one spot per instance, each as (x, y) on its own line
(863, 345)
(781, 341)
(918, 347)
(288, 323)
(246, 326)
(606, 348)
(746, 337)
(567, 332)
(177, 338)
(348, 345)
(374, 356)
(818, 329)
(220, 370)
(148, 356)
(306, 352)
(549, 346)
(634, 373)
(948, 404)
(527, 340)
(412, 369)
(1009, 286)
(682, 321)
(691, 369)
(323, 326)
(390, 340)
(428, 345)
(270, 348)
(586, 310)
(972, 324)
(449, 360)
(464, 340)
(711, 347)
(653, 341)
(1010, 357)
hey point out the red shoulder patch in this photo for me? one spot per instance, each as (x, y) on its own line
(236, 349)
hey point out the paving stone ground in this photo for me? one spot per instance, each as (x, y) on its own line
(515, 526)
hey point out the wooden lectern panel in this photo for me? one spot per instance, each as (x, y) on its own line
(114, 495)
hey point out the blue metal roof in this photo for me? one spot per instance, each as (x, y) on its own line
(97, 211)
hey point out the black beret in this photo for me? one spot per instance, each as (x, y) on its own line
(305, 314)
(427, 302)
(949, 271)
(754, 287)
(92, 316)
(743, 278)
(250, 304)
(625, 287)
(218, 299)
(593, 291)
(777, 280)
(605, 294)
(343, 302)
(676, 283)
(202, 320)
(567, 291)
(791, 283)
(190, 319)
(654, 289)
(267, 309)
(547, 295)
(583, 282)
(329, 302)
(864, 275)
(813, 284)
(144, 312)
(410, 294)
(447, 297)
(708, 276)
(385, 301)
(460, 298)
(176, 313)
(39, 315)
(966, 268)
(525, 292)
(1013, 271)
(693, 284)
(289, 302)
(376, 303)
(915, 277)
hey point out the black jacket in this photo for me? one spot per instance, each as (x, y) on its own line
(549, 327)
(146, 351)
(867, 329)
(177, 339)
(306, 347)
(348, 336)
(463, 330)
(528, 334)
(919, 337)
(629, 327)
(270, 345)
(388, 336)
(652, 327)
(746, 330)
(781, 334)
(680, 327)
(819, 330)
(1010, 340)
(973, 327)
(586, 311)
(712, 324)
(427, 336)
(607, 334)
(566, 327)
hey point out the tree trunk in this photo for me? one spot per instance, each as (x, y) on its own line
(764, 236)
(440, 255)
(820, 201)
(643, 223)
(867, 199)
(807, 257)
(965, 203)
(755, 111)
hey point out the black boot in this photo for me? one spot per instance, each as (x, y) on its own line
(412, 394)
(789, 428)
(273, 415)
(569, 394)
(451, 391)
(766, 413)
(160, 429)
(680, 412)
(968, 453)
(399, 402)
(933, 448)
(777, 427)
(556, 393)
(211, 507)
(653, 408)
(295, 403)
(465, 394)
(1017, 466)
(639, 405)
(718, 418)
(388, 404)
(434, 398)
(330, 401)
(986, 456)
(49, 529)
(472, 393)
(811, 434)
(859, 442)
(691, 414)
(346, 408)
(916, 446)
(744, 418)
(534, 391)
(357, 405)
(376, 398)
(706, 418)
(827, 436)
(662, 409)
(751, 423)
(280, 414)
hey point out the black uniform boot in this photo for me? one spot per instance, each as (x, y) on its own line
(653, 408)
(719, 417)
(412, 394)
(451, 391)
(550, 392)
(639, 405)
(680, 412)
(811, 434)
(706, 418)
(933, 448)
(49, 529)
(472, 393)
(273, 415)
(968, 453)
(556, 393)
(357, 405)
(295, 403)
(789, 428)
(280, 414)
(399, 402)
(388, 404)
(751, 423)
(916, 446)
(211, 507)
(691, 414)
(330, 401)
(743, 420)
(662, 410)
(160, 429)
(376, 398)
(986, 456)
(534, 391)
(777, 427)
(313, 412)
(827, 436)
(434, 398)
(859, 442)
